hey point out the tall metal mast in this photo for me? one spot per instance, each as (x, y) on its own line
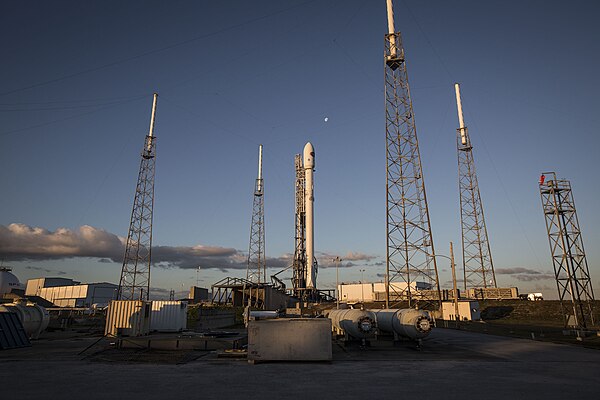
(566, 247)
(410, 251)
(135, 274)
(256, 271)
(477, 257)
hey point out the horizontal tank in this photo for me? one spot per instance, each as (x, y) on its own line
(358, 324)
(408, 323)
(33, 317)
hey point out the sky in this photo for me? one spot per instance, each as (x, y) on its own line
(75, 102)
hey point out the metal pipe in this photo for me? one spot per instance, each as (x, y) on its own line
(151, 130)
(391, 27)
(461, 121)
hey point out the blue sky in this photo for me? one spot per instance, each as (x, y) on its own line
(76, 94)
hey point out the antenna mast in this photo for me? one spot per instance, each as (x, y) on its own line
(410, 252)
(135, 274)
(477, 256)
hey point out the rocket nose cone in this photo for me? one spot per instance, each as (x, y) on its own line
(309, 156)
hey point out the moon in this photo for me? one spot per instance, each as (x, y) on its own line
(326, 119)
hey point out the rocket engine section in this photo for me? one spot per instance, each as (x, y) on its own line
(408, 323)
(358, 324)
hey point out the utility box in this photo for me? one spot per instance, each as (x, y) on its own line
(467, 311)
(289, 339)
(128, 318)
(168, 316)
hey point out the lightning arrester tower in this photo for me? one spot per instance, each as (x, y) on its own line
(256, 271)
(410, 251)
(568, 256)
(135, 274)
(478, 266)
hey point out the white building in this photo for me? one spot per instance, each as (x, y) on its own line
(65, 292)
(363, 292)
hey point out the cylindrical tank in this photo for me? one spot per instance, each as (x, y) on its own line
(410, 323)
(356, 323)
(8, 281)
(33, 317)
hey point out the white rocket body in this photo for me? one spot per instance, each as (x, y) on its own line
(308, 161)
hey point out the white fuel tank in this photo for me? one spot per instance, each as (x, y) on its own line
(33, 317)
(358, 324)
(409, 323)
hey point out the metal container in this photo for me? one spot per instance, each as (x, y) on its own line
(168, 316)
(358, 324)
(127, 318)
(289, 339)
(409, 323)
(33, 317)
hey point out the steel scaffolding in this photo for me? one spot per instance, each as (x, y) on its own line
(257, 269)
(410, 250)
(566, 248)
(478, 267)
(299, 263)
(135, 274)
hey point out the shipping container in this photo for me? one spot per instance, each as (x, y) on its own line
(128, 318)
(168, 316)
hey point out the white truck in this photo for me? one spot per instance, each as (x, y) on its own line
(535, 296)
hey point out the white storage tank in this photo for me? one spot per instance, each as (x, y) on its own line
(33, 317)
(127, 318)
(168, 316)
(408, 323)
(358, 324)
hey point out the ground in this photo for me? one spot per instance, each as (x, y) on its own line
(451, 364)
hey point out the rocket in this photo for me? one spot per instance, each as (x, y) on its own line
(308, 162)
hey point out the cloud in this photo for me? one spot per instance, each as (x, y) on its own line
(326, 260)
(525, 274)
(20, 242)
(49, 271)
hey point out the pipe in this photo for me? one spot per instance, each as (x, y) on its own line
(461, 121)
(151, 130)
(391, 28)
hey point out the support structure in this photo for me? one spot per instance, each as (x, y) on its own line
(568, 256)
(478, 267)
(305, 264)
(257, 269)
(299, 263)
(135, 274)
(410, 251)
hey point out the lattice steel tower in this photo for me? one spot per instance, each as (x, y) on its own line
(256, 271)
(477, 257)
(299, 263)
(135, 274)
(410, 251)
(568, 256)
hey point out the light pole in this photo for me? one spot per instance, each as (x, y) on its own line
(337, 261)
(198, 276)
(454, 289)
(362, 285)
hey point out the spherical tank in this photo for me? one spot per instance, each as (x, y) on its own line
(410, 323)
(8, 281)
(356, 323)
(33, 317)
